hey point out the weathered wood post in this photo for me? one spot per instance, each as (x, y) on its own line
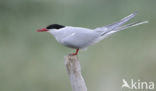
(74, 72)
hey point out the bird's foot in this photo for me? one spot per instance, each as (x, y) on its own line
(73, 54)
(76, 53)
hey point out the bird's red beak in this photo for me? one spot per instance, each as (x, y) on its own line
(42, 30)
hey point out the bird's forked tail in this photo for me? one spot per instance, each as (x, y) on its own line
(117, 26)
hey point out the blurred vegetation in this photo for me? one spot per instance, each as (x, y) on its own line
(31, 61)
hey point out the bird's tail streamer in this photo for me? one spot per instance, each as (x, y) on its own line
(117, 26)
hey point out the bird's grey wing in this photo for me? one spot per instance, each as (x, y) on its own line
(111, 27)
(79, 39)
(118, 26)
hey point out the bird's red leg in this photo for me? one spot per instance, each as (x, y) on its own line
(77, 50)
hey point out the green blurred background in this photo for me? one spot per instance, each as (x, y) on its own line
(32, 61)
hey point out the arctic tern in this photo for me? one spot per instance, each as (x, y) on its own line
(79, 38)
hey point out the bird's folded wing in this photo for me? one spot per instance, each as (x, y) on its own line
(111, 27)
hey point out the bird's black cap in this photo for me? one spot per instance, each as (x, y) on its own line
(55, 26)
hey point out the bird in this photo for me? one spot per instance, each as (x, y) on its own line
(81, 38)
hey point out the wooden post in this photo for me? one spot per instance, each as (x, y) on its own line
(74, 72)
